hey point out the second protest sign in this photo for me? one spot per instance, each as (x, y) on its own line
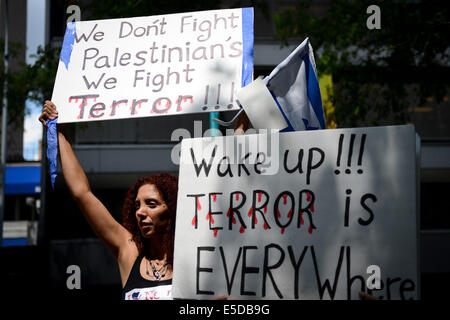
(300, 215)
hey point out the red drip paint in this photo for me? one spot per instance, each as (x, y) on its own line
(301, 218)
(259, 196)
(310, 229)
(284, 198)
(215, 232)
(237, 196)
(250, 213)
(290, 213)
(214, 197)
(193, 221)
(266, 226)
(242, 229)
(81, 106)
(199, 207)
(265, 209)
(308, 196)
(282, 230)
(278, 214)
(312, 207)
(210, 216)
(233, 219)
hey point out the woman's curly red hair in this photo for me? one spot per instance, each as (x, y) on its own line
(167, 185)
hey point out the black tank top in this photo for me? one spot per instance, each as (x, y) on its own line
(139, 288)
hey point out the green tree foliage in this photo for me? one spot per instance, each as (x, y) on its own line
(41, 75)
(378, 73)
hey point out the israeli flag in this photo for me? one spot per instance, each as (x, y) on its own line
(295, 88)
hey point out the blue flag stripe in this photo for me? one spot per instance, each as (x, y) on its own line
(314, 91)
(247, 39)
(69, 39)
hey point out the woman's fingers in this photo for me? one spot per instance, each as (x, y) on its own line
(42, 120)
(51, 109)
(48, 112)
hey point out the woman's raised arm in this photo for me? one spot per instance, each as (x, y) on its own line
(112, 233)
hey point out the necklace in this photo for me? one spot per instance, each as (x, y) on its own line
(156, 273)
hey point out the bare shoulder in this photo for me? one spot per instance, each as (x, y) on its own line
(126, 257)
(128, 251)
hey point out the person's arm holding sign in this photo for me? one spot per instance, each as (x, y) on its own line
(113, 234)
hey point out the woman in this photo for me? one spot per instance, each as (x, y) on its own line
(143, 245)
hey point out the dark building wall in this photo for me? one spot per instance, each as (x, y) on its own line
(17, 19)
(17, 13)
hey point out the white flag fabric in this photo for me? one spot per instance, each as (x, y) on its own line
(295, 87)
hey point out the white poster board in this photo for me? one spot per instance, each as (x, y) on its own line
(151, 66)
(331, 208)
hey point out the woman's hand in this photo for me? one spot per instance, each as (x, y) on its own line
(49, 112)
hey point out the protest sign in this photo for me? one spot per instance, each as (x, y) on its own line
(151, 66)
(299, 215)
